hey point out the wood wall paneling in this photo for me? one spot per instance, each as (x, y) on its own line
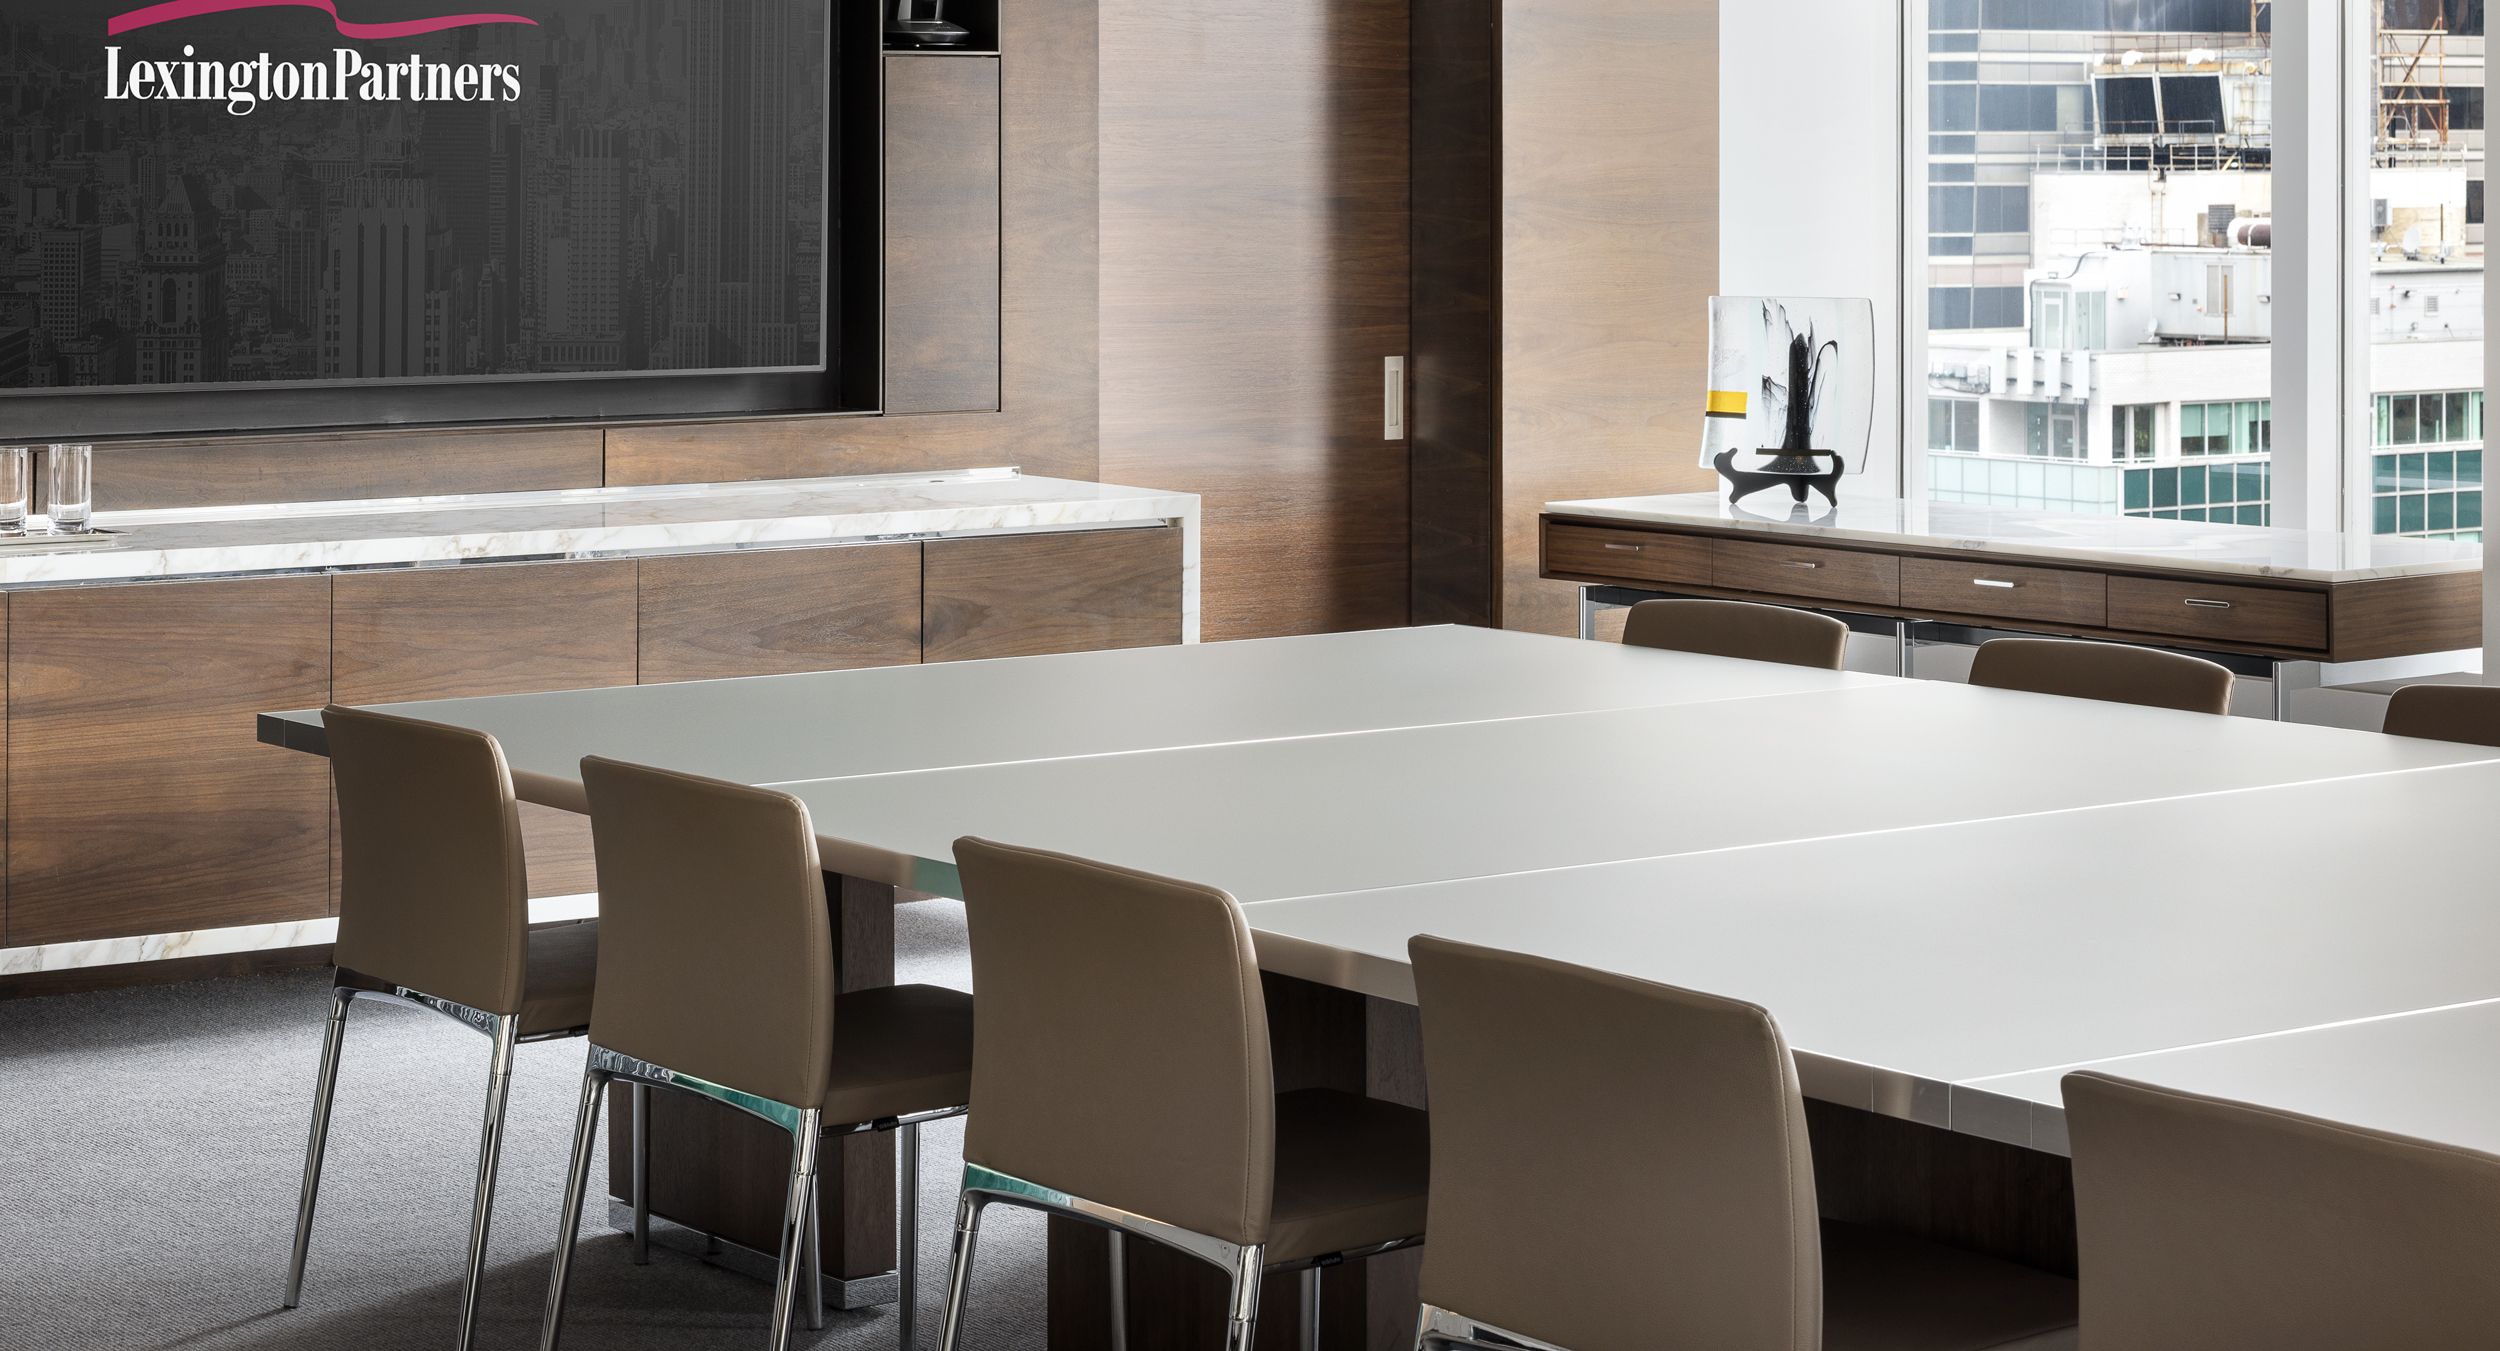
(1048, 267)
(941, 234)
(138, 799)
(714, 616)
(1609, 256)
(1454, 412)
(1027, 595)
(447, 633)
(1254, 227)
(220, 472)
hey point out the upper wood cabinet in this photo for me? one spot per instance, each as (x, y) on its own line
(449, 633)
(942, 242)
(716, 616)
(1026, 595)
(138, 798)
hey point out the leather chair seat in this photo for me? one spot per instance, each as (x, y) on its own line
(1351, 1172)
(563, 969)
(555, 993)
(1893, 1292)
(899, 1051)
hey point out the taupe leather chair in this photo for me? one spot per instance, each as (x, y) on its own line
(1620, 1166)
(2111, 672)
(1121, 1077)
(2464, 713)
(1734, 628)
(716, 978)
(434, 913)
(2209, 1225)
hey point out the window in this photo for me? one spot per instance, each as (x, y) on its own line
(2052, 432)
(2423, 255)
(2426, 466)
(2245, 428)
(1953, 425)
(2092, 170)
(2132, 430)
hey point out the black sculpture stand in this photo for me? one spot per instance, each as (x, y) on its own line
(1744, 483)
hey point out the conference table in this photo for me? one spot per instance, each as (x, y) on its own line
(1948, 896)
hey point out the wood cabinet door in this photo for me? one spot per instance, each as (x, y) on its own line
(1026, 595)
(139, 799)
(942, 244)
(716, 616)
(450, 633)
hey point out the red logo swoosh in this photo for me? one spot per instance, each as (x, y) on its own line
(172, 10)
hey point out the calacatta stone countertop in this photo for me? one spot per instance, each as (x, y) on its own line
(587, 523)
(2122, 541)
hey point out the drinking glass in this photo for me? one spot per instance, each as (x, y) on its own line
(17, 482)
(70, 488)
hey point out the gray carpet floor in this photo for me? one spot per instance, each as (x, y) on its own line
(151, 1142)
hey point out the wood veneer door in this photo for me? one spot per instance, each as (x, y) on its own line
(716, 616)
(450, 633)
(1029, 595)
(139, 799)
(1255, 272)
(942, 246)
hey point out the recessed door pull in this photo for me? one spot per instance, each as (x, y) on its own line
(2209, 604)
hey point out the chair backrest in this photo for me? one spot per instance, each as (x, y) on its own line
(2466, 713)
(1615, 1164)
(2111, 672)
(433, 890)
(1119, 1048)
(1734, 628)
(2208, 1225)
(715, 946)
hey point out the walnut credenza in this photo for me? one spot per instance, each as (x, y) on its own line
(2265, 602)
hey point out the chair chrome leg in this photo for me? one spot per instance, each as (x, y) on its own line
(959, 1271)
(907, 1239)
(325, 1088)
(815, 1297)
(1119, 1291)
(642, 1174)
(1249, 1266)
(797, 1210)
(576, 1183)
(489, 1154)
(1310, 1309)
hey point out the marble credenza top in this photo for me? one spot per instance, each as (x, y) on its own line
(581, 523)
(2047, 536)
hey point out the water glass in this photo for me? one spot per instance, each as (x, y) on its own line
(70, 488)
(17, 482)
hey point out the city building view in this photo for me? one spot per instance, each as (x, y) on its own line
(2100, 268)
(647, 194)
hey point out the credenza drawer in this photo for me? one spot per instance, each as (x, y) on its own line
(1633, 555)
(1808, 573)
(2262, 615)
(2037, 595)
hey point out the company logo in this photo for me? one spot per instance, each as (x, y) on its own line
(173, 10)
(346, 77)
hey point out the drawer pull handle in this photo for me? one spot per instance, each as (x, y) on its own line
(2209, 604)
(1986, 581)
(1626, 548)
(1800, 563)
